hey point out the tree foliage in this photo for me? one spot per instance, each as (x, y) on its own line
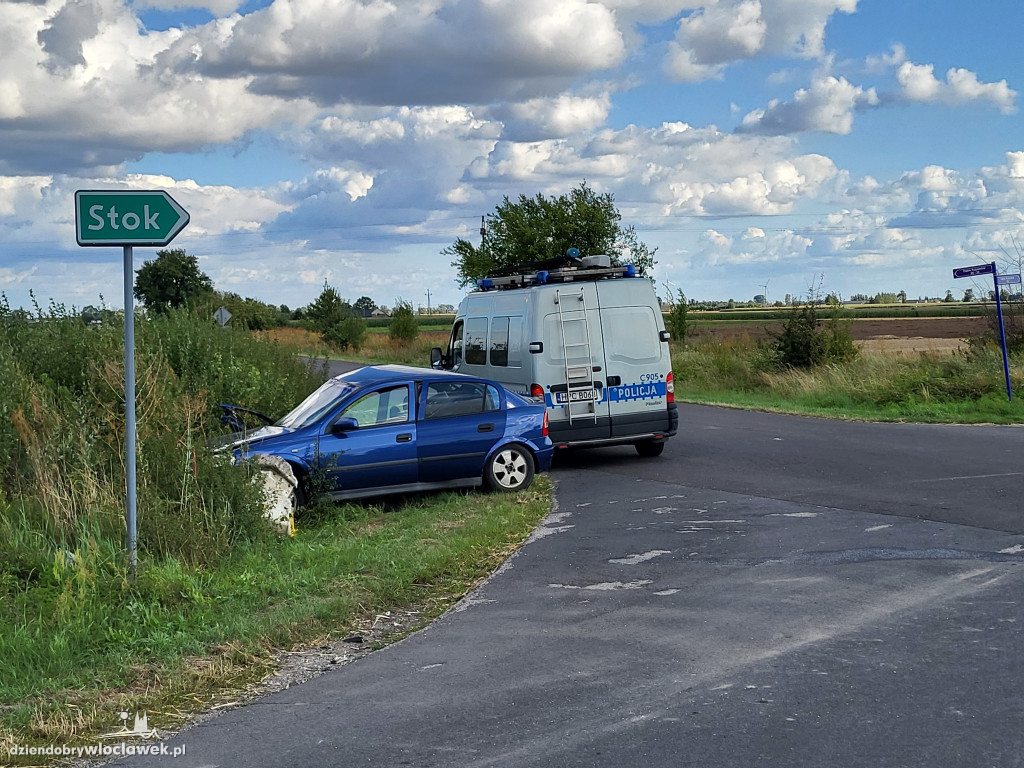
(404, 326)
(251, 314)
(804, 343)
(677, 319)
(172, 280)
(332, 317)
(364, 306)
(541, 228)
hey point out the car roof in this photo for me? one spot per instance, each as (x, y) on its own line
(385, 373)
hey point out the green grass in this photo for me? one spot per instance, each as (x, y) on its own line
(217, 594)
(78, 642)
(965, 388)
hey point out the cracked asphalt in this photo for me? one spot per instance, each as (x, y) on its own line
(771, 591)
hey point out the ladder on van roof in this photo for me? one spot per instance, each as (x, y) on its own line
(580, 392)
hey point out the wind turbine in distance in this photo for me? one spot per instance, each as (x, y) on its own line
(764, 287)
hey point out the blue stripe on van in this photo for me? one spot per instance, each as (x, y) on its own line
(628, 392)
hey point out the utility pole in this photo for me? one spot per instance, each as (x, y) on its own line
(428, 302)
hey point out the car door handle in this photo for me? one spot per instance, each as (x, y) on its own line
(485, 428)
(405, 437)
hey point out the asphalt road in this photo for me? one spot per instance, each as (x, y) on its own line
(770, 591)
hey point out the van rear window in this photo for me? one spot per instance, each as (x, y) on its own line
(631, 335)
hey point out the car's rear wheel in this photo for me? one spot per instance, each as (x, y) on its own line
(649, 448)
(509, 469)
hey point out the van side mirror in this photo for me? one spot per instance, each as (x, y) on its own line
(436, 357)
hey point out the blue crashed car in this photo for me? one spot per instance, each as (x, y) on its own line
(395, 429)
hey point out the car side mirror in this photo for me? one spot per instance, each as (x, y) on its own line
(344, 424)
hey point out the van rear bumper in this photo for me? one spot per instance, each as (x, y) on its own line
(619, 430)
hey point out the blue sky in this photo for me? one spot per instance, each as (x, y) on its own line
(865, 146)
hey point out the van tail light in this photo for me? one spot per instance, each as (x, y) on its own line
(544, 429)
(536, 390)
(670, 388)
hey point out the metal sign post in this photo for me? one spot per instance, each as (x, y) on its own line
(129, 411)
(990, 269)
(128, 218)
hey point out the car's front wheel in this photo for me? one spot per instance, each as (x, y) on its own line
(509, 469)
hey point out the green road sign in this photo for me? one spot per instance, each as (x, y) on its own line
(127, 217)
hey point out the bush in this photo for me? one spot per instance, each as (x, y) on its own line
(404, 326)
(676, 320)
(802, 344)
(346, 333)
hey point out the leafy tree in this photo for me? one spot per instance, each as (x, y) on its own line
(541, 228)
(969, 295)
(404, 326)
(170, 281)
(949, 296)
(364, 306)
(247, 313)
(91, 315)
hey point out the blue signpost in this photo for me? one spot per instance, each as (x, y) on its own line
(128, 218)
(990, 269)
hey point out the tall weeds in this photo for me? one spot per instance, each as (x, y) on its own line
(62, 429)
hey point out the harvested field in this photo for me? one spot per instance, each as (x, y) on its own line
(905, 335)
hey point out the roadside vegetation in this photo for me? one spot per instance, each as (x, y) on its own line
(217, 593)
(812, 366)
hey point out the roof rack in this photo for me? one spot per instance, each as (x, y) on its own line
(568, 271)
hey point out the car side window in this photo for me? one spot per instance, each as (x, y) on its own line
(446, 399)
(385, 406)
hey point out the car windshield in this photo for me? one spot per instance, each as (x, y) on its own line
(314, 407)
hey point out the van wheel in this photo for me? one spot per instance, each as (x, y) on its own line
(509, 469)
(649, 448)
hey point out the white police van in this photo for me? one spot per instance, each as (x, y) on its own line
(587, 337)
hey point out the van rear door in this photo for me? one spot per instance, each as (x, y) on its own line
(637, 360)
(573, 364)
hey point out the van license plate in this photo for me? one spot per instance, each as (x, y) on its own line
(575, 396)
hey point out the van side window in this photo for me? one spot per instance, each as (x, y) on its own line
(476, 341)
(499, 341)
(515, 342)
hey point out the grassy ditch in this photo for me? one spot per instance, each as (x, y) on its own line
(217, 595)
